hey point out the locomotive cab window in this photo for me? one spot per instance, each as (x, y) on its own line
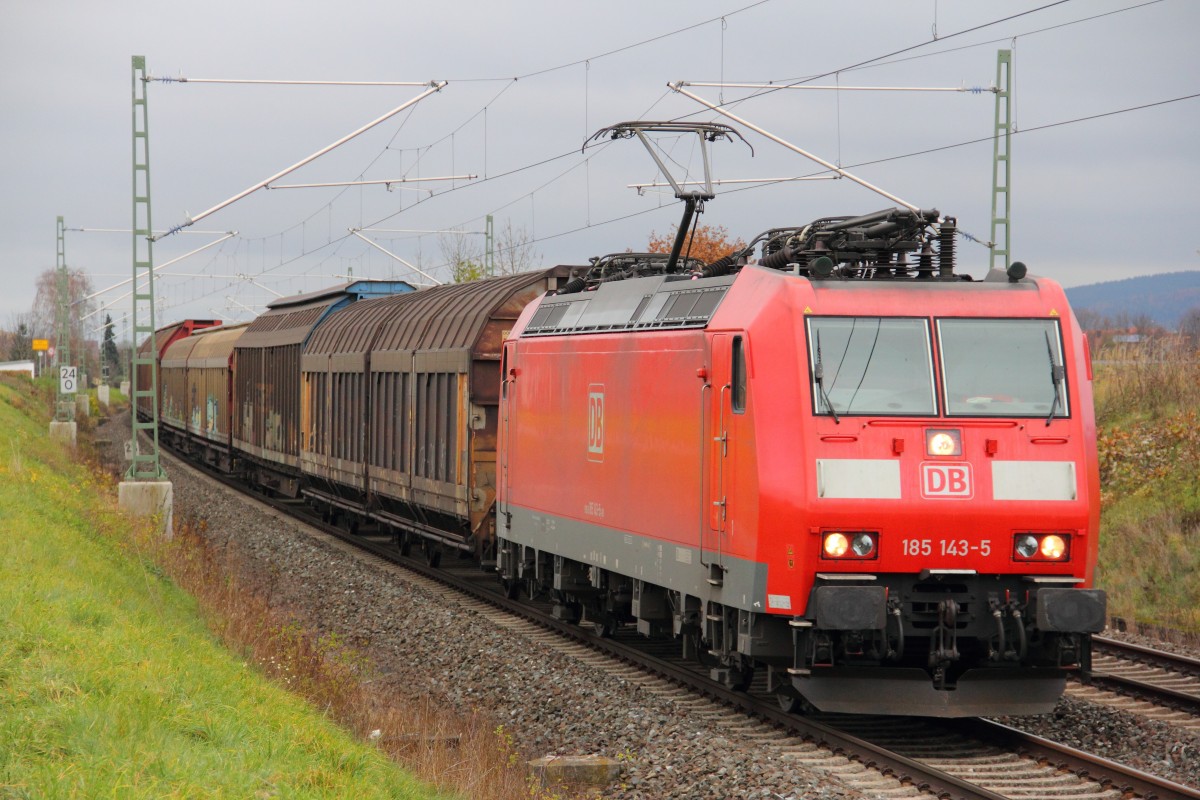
(1003, 367)
(739, 376)
(876, 366)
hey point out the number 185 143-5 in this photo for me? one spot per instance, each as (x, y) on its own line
(946, 547)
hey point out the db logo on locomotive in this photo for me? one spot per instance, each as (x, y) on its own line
(946, 480)
(596, 422)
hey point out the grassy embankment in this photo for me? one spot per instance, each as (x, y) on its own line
(112, 684)
(1147, 404)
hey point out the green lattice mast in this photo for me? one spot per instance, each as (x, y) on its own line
(64, 409)
(145, 466)
(1001, 164)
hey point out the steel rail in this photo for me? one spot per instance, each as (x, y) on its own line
(1086, 765)
(1149, 688)
(1161, 658)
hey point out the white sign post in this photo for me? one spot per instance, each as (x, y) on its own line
(67, 379)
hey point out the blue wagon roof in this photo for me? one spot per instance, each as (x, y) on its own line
(291, 320)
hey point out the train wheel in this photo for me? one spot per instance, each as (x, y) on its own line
(512, 588)
(739, 679)
(789, 703)
(736, 672)
(433, 555)
(604, 625)
(695, 647)
(566, 609)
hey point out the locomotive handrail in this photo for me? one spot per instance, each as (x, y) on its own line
(724, 440)
(704, 387)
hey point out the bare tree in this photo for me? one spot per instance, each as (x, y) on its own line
(1092, 321)
(19, 345)
(514, 250)
(463, 255)
(44, 315)
(1189, 325)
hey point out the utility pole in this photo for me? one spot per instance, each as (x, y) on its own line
(144, 381)
(490, 248)
(145, 490)
(1001, 164)
(62, 427)
(64, 408)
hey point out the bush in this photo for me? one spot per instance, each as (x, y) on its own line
(1149, 450)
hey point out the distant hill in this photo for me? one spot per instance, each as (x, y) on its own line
(1164, 298)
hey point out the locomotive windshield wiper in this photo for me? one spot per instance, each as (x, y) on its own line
(1057, 374)
(819, 375)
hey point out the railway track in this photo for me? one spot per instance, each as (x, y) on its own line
(1150, 683)
(896, 757)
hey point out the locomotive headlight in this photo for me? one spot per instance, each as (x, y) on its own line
(836, 545)
(1041, 547)
(943, 443)
(862, 545)
(1027, 546)
(850, 545)
(1053, 547)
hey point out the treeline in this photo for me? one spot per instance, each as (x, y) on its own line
(1126, 328)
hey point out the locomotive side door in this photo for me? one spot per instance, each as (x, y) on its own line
(717, 451)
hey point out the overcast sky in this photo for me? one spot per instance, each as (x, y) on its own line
(1095, 200)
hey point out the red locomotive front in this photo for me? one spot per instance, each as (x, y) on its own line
(877, 482)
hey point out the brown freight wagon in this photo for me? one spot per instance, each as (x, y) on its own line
(175, 409)
(266, 379)
(210, 387)
(399, 409)
(147, 383)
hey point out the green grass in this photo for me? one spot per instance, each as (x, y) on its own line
(110, 683)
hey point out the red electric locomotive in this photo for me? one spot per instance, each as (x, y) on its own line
(843, 464)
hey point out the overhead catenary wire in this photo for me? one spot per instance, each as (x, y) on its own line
(811, 87)
(127, 281)
(879, 61)
(338, 241)
(907, 49)
(913, 154)
(434, 86)
(129, 231)
(795, 148)
(833, 72)
(733, 181)
(871, 162)
(378, 182)
(387, 252)
(986, 43)
(722, 19)
(512, 80)
(271, 82)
